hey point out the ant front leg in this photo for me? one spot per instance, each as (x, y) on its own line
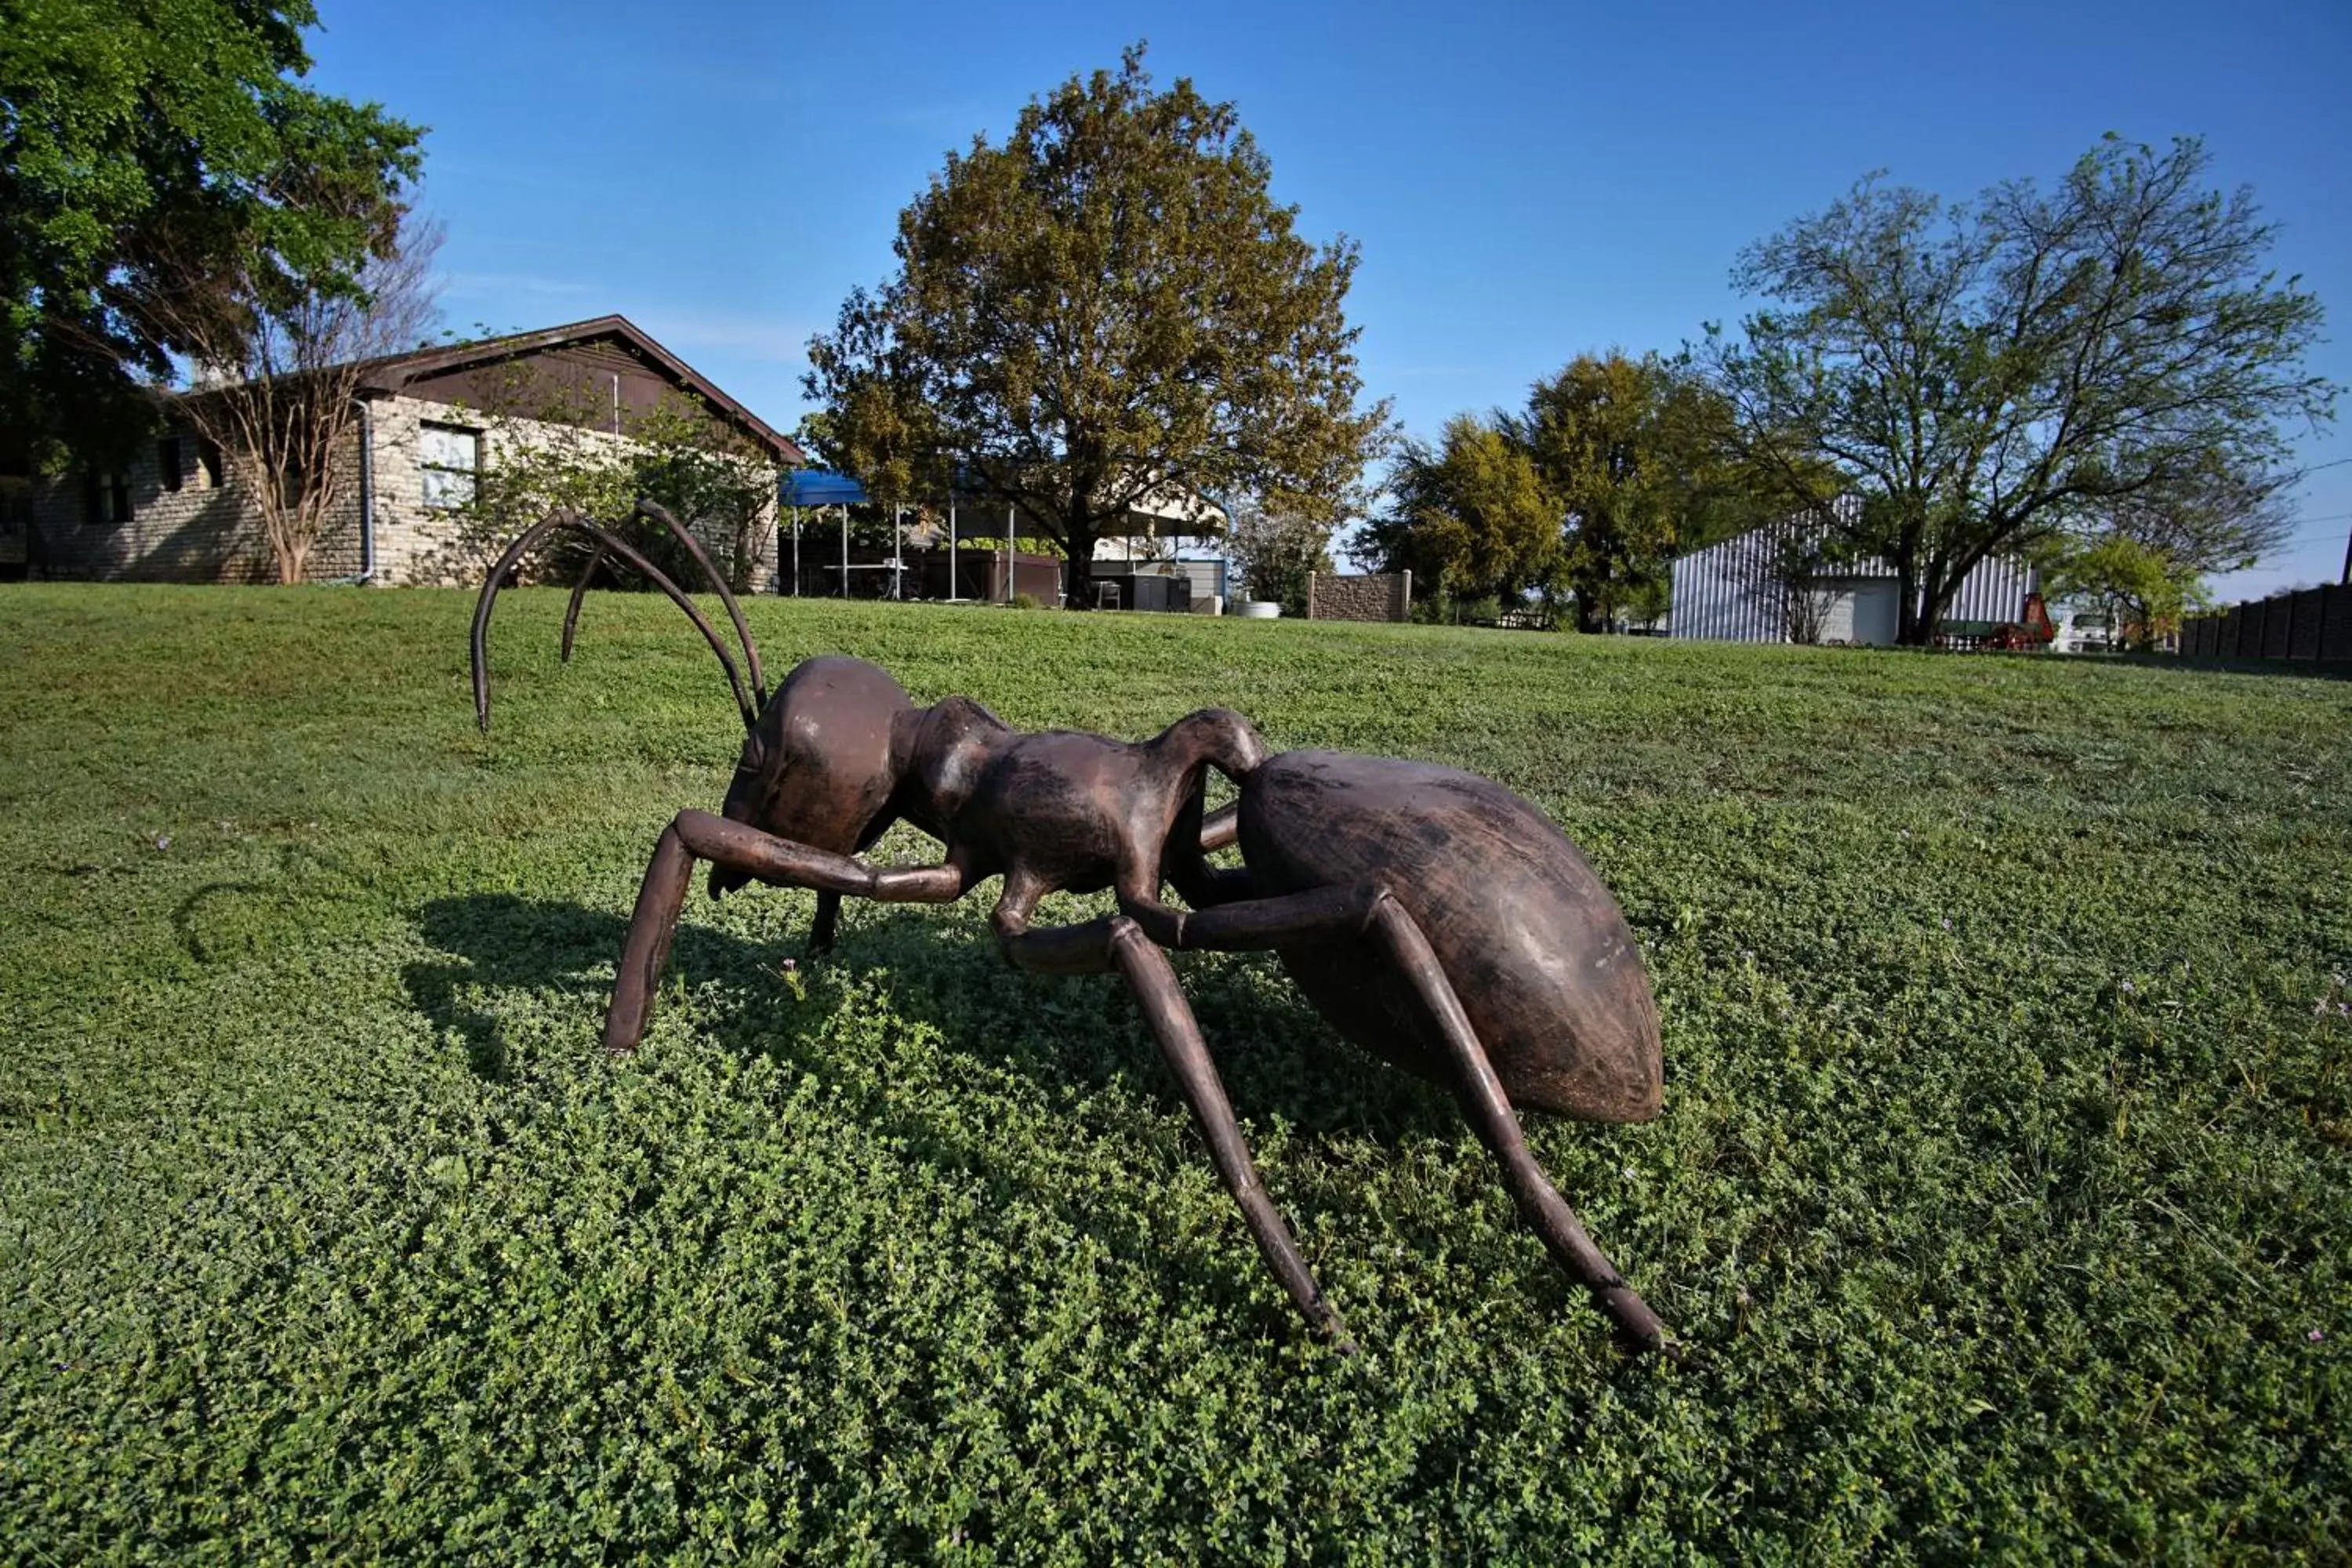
(699, 834)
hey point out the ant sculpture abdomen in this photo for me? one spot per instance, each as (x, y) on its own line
(1430, 915)
(1531, 942)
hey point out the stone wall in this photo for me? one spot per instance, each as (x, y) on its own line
(417, 543)
(201, 532)
(1380, 596)
(194, 532)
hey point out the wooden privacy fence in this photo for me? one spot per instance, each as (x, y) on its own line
(2314, 626)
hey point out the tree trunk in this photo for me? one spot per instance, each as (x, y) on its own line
(1935, 592)
(1079, 567)
(1906, 603)
(293, 563)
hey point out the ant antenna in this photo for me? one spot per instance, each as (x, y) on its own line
(605, 541)
(647, 506)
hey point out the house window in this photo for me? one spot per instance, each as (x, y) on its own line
(167, 461)
(449, 459)
(208, 463)
(106, 498)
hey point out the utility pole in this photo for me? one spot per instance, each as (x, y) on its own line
(2345, 578)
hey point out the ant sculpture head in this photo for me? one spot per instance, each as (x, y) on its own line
(823, 760)
(820, 759)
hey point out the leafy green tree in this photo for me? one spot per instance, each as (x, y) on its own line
(139, 139)
(1614, 466)
(1472, 516)
(1984, 376)
(1639, 454)
(2141, 591)
(1106, 309)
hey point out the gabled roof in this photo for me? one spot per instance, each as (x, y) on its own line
(395, 372)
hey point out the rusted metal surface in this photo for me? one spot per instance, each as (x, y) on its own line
(1432, 916)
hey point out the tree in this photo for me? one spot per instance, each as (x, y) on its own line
(1639, 454)
(1800, 564)
(1472, 516)
(280, 363)
(1277, 552)
(1984, 376)
(2138, 591)
(1108, 310)
(138, 141)
(1614, 466)
(2143, 558)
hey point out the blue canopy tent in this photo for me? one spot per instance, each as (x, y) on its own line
(816, 488)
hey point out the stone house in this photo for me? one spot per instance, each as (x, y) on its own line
(430, 425)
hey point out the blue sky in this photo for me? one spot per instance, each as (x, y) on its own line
(1526, 183)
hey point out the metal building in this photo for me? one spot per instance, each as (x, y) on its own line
(1730, 593)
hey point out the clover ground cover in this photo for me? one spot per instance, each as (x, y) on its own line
(2002, 1186)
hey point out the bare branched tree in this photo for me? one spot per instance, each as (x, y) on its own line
(1800, 564)
(1275, 551)
(276, 376)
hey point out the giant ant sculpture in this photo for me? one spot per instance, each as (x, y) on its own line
(1432, 916)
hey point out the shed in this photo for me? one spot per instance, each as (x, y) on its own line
(1731, 592)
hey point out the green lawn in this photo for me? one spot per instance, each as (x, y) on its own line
(2002, 1186)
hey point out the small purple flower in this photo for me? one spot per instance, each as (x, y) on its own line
(1948, 923)
(2127, 987)
(2316, 1336)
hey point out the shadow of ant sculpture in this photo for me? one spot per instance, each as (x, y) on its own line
(1433, 917)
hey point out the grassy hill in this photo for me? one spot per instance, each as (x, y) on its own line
(2002, 1186)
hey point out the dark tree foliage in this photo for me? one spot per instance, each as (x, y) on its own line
(139, 138)
(1614, 466)
(1639, 453)
(1107, 310)
(1984, 377)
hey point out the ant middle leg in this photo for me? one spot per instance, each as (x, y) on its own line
(1184, 860)
(827, 922)
(1114, 941)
